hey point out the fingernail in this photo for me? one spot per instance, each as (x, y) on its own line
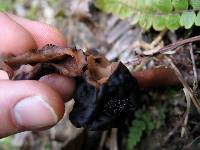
(34, 113)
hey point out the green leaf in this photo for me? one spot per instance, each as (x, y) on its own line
(150, 126)
(124, 12)
(145, 122)
(159, 23)
(130, 3)
(145, 21)
(103, 5)
(119, 9)
(195, 4)
(135, 133)
(100, 4)
(114, 8)
(150, 5)
(140, 5)
(164, 5)
(6, 143)
(135, 19)
(197, 19)
(6, 5)
(180, 4)
(187, 19)
(157, 13)
(172, 22)
(60, 13)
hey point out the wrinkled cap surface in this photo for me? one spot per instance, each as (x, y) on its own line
(107, 106)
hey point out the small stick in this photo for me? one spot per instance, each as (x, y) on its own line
(113, 139)
(175, 45)
(158, 38)
(190, 144)
(188, 100)
(102, 141)
(195, 84)
(172, 132)
(185, 85)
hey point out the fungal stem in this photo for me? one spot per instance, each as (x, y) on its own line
(157, 77)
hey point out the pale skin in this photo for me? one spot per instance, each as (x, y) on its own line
(30, 105)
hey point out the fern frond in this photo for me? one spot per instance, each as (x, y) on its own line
(144, 123)
(159, 14)
(135, 133)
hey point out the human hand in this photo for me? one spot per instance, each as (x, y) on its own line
(30, 105)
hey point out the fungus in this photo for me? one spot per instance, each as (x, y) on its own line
(106, 93)
(105, 96)
(50, 59)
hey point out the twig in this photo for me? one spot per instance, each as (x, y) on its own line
(183, 130)
(153, 47)
(153, 50)
(135, 61)
(141, 44)
(158, 38)
(171, 133)
(113, 140)
(102, 141)
(189, 145)
(176, 44)
(195, 83)
(164, 49)
(185, 85)
(142, 63)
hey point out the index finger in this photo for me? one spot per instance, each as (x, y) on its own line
(14, 39)
(42, 33)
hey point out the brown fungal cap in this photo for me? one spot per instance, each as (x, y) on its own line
(49, 59)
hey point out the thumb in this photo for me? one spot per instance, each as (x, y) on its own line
(28, 105)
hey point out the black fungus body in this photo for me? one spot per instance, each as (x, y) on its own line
(109, 105)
